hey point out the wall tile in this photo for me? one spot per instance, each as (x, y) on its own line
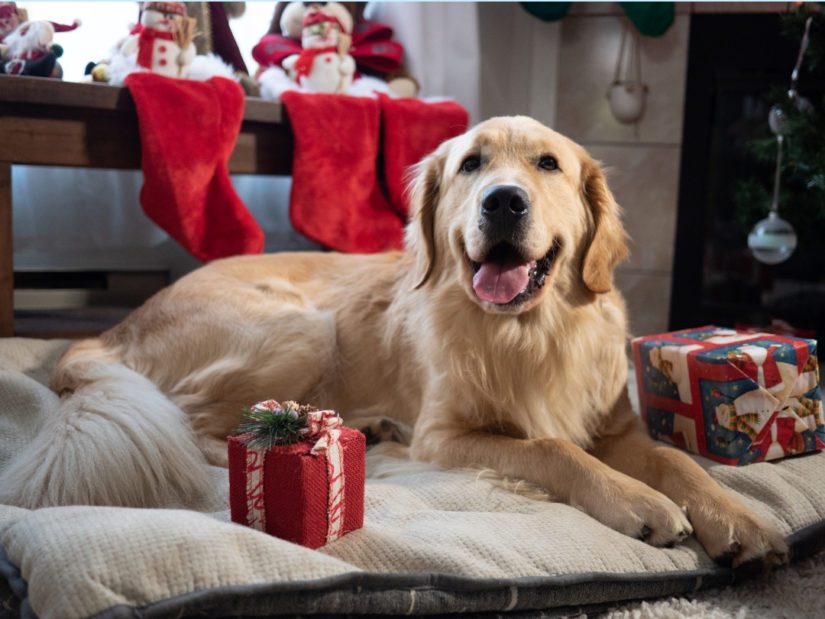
(645, 181)
(595, 8)
(519, 70)
(589, 49)
(648, 301)
(613, 8)
(739, 7)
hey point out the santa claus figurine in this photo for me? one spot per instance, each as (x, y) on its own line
(29, 49)
(324, 64)
(163, 39)
(10, 17)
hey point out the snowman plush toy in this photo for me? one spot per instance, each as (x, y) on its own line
(324, 64)
(163, 40)
(162, 43)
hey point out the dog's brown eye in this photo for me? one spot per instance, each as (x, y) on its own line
(548, 163)
(470, 164)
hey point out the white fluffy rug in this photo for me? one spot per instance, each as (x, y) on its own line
(796, 592)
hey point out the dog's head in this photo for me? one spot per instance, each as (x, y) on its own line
(511, 208)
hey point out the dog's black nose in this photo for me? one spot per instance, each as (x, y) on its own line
(503, 209)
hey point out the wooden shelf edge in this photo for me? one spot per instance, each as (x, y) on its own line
(59, 94)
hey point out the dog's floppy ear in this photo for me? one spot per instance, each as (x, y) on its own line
(608, 246)
(424, 191)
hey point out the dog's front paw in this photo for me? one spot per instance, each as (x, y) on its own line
(383, 429)
(732, 535)
(637, 510)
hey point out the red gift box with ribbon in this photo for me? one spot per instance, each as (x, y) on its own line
(310, 491)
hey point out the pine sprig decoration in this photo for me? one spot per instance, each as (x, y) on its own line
(266, 428)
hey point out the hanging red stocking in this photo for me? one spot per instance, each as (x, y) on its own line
(335, 198)
(412, 129)
(188, 130)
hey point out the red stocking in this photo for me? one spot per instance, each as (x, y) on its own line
(412, 130)
(188, 131)
(335, 199)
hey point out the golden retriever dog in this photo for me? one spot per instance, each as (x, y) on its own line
(496, 335)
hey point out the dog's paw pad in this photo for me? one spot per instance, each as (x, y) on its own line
(645, 533)
(383, 429)
(726, 558)
(740, 539)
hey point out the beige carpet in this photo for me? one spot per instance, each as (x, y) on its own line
(796, 592)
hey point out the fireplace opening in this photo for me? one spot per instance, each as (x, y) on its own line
(734, 62)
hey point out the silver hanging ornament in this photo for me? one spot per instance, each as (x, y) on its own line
(777, 120)
(773, 239)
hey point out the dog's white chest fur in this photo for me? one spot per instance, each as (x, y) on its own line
(523, 379)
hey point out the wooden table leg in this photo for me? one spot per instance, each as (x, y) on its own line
(6, 261)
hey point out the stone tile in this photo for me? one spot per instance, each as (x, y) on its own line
(595, 8)
(645, 181)
(739, 7)
(613, 8)
(589, 49)
(648, 300)
(519, 68)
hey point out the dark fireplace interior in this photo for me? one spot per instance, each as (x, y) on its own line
(734, 62)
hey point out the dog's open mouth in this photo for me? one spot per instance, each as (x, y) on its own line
(506, 278)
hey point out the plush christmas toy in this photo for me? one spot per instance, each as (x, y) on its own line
(324, 64)
(163, 40)
(11, 16)
(29, 48)
(378, 58)
(163, 43)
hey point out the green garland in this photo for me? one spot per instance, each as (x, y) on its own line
(267, 428)
(652, 19)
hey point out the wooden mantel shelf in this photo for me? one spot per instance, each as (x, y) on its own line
(51, 122)
(55, 123)
(96, 96)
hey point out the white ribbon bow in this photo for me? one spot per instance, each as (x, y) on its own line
(324, 427)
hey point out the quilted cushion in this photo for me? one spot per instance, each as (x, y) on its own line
(433, 541)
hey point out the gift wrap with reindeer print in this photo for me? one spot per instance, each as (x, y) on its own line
(732, 396)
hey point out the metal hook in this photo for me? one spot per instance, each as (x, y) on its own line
(803, 47)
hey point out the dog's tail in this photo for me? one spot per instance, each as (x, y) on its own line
(114, 440)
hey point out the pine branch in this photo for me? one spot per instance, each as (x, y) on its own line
(268, 428)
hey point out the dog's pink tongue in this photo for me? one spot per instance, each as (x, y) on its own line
(500, 283)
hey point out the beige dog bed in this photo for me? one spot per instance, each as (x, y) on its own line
(433, 542)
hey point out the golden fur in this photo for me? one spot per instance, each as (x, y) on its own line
(534, 392)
